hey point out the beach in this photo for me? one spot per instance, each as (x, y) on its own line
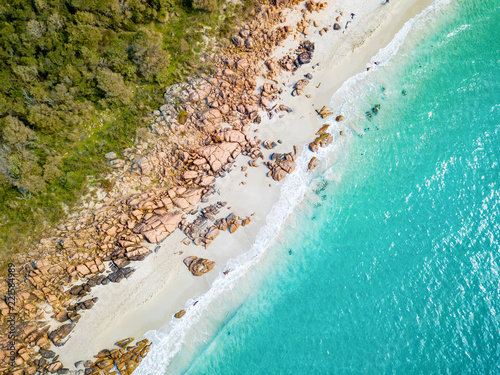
(162, 285)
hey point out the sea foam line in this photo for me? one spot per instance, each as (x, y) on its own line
(167, 345)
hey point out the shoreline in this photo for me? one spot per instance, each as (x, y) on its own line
(180, 286)
(161, 285)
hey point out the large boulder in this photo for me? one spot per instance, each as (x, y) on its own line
(313, 163)
(301, 84)
(58, 335)
(158, 227)
(198, 266)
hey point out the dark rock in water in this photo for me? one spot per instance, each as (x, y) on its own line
(376, 108)
(308, 76)
(336, 26)
(404, 93)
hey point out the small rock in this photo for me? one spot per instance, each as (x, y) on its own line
(111, 155)
(180, 314)
(313, 163)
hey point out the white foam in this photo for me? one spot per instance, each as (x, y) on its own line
(168, 341)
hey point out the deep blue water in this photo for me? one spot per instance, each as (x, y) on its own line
(391, 263)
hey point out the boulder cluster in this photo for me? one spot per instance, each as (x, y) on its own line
(125, 358)
(282, 164)
(302, 55)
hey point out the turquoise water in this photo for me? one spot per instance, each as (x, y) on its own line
(391, 263)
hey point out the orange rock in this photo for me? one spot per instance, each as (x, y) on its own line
(313, 163)
(234, 226)
(82, 269)
(324, 112)
(123, 343)
(322, 129)
(180, 314)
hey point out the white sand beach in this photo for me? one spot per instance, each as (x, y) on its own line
(161, 284)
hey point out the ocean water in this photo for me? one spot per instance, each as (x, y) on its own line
(387, 258)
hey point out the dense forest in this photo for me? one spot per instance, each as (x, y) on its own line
(79, 78)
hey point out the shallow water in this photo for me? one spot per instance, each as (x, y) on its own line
(391, 262)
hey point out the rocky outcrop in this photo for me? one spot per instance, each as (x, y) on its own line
(282, 164)
(218, 155)
(313, 6)
(125, 358)
(322, 141)
(158, 227)
(302, 55)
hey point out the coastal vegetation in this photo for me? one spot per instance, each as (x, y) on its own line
(78, 79)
